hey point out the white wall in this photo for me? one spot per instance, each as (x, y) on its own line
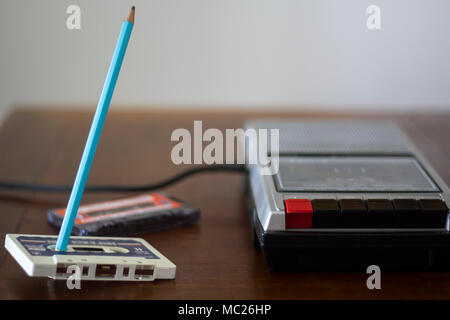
(229, 53)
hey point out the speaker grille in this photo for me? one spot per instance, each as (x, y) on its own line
(335, 136)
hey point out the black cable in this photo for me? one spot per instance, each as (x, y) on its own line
(19, 186)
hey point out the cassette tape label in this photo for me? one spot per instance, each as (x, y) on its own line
(43, 246)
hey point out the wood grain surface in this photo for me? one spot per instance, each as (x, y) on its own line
(215, 258)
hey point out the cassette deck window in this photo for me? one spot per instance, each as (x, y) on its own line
(352, 174)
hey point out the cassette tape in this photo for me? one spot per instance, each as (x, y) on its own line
(128, 216)
(96, 258)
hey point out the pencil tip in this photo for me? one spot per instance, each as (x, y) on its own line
(130, 17)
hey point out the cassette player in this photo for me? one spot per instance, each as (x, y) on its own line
(348, 194)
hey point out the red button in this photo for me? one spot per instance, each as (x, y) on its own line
(298, 213)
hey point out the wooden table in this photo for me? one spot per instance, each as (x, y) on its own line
(215, 258)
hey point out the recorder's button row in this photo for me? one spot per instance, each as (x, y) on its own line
(371, 213)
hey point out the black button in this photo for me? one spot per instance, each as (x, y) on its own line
(434, 213)
(379, 206)
(326, 213)
(352, 206)
(407, 213)
(433, 205)
(354, 213)
(406, 206)
(380, 213)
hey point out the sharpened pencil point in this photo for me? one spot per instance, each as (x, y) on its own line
(130, 17)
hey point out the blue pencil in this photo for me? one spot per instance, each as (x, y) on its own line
(94, 133)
